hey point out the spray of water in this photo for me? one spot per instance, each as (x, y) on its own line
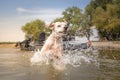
(70, 57)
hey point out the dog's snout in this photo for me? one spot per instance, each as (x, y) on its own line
(65, 28)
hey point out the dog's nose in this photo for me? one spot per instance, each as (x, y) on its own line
(65, 28)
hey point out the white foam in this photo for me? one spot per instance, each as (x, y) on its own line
(71, 57)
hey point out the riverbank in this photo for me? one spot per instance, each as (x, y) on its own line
(7, 45)
(108, 44)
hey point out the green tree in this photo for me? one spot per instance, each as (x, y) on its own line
(79, 22)
(73, 15)
(105, 14)
(58, 19)
(85, 30)
(91, 7)
(34, 28)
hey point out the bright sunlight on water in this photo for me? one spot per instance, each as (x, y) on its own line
(80, 65)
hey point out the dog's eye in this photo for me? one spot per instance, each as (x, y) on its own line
(59, 25)
(65, 25)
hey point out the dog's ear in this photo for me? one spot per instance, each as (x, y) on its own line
(65, 21)
(51, 26)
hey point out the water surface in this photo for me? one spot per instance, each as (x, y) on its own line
(16, 65)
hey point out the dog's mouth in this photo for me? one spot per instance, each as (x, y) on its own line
(62, 32)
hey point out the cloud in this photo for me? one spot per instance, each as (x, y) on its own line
(20, 10)
(39, 11)
(45, 14)
(45, 17)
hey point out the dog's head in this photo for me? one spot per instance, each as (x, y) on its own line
(59, 27)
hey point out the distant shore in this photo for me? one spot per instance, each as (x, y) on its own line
(7, 45)
(107, 44)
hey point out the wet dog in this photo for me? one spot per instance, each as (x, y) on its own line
(53, 44)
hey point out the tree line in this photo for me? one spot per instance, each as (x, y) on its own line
(104, 14)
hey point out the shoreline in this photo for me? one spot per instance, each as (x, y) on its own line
(106, 45)
(7, 45)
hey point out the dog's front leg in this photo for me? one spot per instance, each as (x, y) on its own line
(46, 48)
(58, 51)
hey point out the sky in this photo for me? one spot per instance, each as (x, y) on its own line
(16, 13)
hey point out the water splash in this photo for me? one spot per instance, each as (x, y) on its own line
(77, 57)
(70, 57)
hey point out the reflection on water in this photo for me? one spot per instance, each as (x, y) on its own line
(16, 65)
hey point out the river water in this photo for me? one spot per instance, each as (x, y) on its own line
(104, 65)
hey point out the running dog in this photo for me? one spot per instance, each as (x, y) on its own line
(53, 44)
